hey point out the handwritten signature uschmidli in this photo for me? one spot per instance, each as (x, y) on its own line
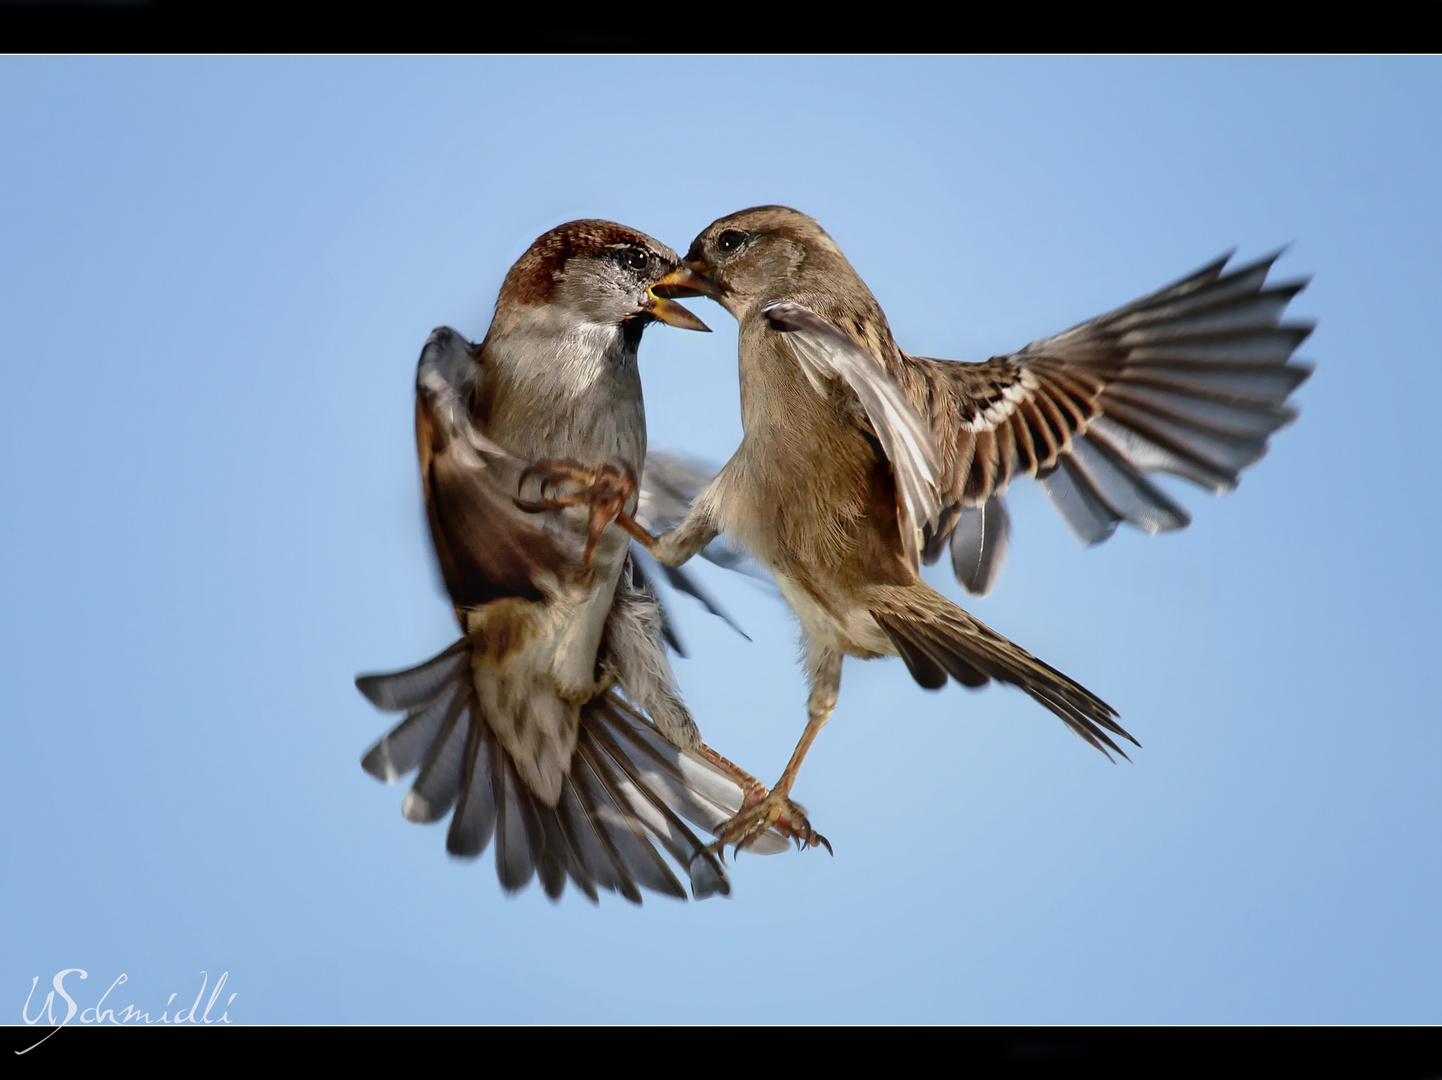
(97, 1014)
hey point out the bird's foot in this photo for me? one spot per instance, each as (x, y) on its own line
(771, 811)
(606, 490)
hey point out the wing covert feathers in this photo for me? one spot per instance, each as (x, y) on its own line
(1191, 380)
(624, 803)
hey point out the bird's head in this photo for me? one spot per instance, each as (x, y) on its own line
(601, 273)
(765, 253)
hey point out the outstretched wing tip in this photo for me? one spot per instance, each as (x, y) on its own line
(1192, 380)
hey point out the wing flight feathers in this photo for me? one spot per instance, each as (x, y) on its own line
(1190, 380)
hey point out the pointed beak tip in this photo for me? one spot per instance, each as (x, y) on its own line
(666, 310)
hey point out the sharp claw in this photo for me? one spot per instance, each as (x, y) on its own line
(540, 505)
(552, 471)
(606, 489)
(750, 823)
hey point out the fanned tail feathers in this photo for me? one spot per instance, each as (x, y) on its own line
(624, 801)
(936, 639)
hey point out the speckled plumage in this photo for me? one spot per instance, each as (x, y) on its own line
(826, 490)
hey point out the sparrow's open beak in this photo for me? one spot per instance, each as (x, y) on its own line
(702, 269)
(683, 281)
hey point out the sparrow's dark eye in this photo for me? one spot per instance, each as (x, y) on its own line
(730, 240)
(637, 259)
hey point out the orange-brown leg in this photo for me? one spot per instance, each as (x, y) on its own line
(775, 809)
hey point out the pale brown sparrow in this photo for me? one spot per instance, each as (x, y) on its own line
(859, 460)
(553, 723)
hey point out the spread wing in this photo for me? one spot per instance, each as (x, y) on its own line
(487, 547)
(826, 352)
(1191, 380)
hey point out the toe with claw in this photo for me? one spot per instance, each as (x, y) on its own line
(606, 490)
(774, 811)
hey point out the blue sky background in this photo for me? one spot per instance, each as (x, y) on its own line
(215, 278)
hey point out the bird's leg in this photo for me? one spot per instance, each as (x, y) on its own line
(606, 490)
(753, 790)
(775, 809)
(690, 535)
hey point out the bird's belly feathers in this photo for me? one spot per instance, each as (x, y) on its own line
(852, 631)
(534, 666)
(817, 509)
(558, 637)
(535, 661)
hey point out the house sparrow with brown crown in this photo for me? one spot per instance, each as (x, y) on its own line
(553, 723)
(860, 461)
